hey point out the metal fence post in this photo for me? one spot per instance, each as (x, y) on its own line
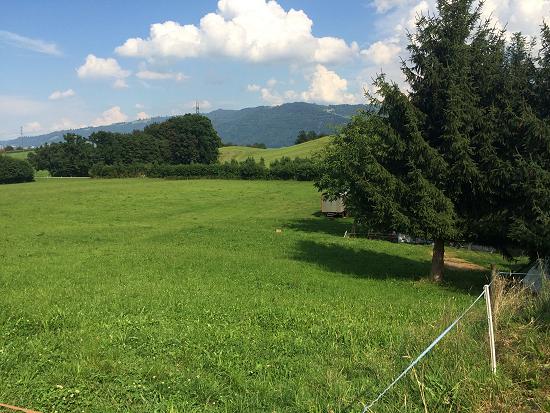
(491, 330)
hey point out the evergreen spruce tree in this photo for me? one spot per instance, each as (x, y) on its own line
(465, 152)
(427, 149)
(528, 199)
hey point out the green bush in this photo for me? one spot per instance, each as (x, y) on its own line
(297, 169)
(284, 169)
(15, 170)
(101, 170)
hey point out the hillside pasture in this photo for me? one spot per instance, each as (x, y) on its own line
(218, 296)
(18, 154)
(303, 150)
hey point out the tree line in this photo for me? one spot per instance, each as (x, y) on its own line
(311, 135)
(183, 139)
(462, 151)
(281, 169)
(181, 147)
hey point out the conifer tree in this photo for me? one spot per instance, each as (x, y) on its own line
(424, 172)
(464, 153)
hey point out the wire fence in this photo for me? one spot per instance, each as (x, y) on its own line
(485, 293)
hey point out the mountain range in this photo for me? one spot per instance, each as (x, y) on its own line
(275, 126)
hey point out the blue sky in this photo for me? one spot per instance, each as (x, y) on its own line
(75, 63)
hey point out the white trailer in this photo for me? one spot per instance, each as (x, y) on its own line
(333, 208)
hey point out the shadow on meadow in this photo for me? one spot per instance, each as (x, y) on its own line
(330, 226)
(361, 263)
(369, 263)
(376, 259)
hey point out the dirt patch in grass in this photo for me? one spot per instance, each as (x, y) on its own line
(452, 262)
(455, 263)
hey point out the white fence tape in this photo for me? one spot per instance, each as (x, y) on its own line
(428, 349)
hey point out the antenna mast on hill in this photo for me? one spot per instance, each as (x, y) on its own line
(197, 107)
(21, 136)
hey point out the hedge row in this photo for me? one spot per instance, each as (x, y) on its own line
(284, 169)
(13, 171)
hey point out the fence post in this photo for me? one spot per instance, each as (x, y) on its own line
(491, 330)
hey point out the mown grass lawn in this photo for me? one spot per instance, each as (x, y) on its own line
(178, 296)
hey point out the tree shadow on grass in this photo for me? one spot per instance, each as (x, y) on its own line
(360, 263)
(366, 263)
(330, 226)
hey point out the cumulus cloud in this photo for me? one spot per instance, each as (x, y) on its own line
(22, 42)
(66, 124)
(112, 115)
(32, 127)
(58, 94)
(382, 52)
(396, 17)
(99, 68)
(325, 86)
(518, 15)
(142, 115)
(272, 97)
(251, 30)
(253, 88)
(120, 84)
(328, 87)
(151, 75)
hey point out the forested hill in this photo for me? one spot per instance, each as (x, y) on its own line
(276, 126)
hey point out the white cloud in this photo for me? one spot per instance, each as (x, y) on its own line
(383, 6)
(327, 87)
(66, 124)
(99, 68)
(22, 42)
(142, 115)
(58, 94)
(518, 15)
(271, 82)
(139, 105)
(382, 53)
(151, 75)
(120, 84)
(252, 30)
(32, 127)
(271, 97)
(112, 115)
(18, 106)
(396, 17)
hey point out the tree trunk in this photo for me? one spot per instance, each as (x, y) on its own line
(438, 260)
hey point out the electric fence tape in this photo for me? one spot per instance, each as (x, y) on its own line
(428, 349)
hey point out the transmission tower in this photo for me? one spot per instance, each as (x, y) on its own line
(197, 107)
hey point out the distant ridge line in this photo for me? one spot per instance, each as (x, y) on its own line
(275, 126)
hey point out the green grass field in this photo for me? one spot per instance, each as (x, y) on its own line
(303, 150)
(241, 153)
(18, 154)
(181, 296)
